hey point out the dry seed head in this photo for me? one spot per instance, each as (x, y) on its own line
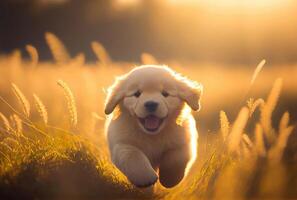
(148, 59)
(225, 125)
(284, 121)
(78, 60)
(274, 94)
(276, 151)
(250, 103)
(16, 58)
(5, 122)
(41, 109)
(253, 105)
(57, 48)
(22, 100)
(237, 129)
(18, 124)
(70, 102)
(33, 54)
(268, 108)
(101, 53)
(257, 71)
(259, 141)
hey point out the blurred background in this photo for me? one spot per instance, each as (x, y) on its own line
(216, 42)
(87, 43)
(216, 31)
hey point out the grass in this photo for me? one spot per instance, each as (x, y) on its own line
(52, 148)
(59, 166)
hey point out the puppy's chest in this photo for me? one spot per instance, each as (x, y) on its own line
(154, 146)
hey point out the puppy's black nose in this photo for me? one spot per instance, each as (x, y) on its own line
(151, 106)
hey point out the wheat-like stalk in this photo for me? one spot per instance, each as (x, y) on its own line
(148, 59)
(57, 48)
(78, 60)
(255, 74)
(23, 101)
(16, 58)
(101, 53)
(70, 102)
(250, 103)
(41, 109)
(18, 124)
(268, 108)
(5, 122)
(284, 122)
(253, 105)
(257, 71)
(259, 140)
(33, 54)
(237, 129)
(276, 152)
(225, 125)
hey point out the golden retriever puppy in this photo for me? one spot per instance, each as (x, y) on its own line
(152, 130)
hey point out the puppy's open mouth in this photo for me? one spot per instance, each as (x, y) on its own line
(151, 123)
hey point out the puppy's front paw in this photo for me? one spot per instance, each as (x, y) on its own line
(143, 179)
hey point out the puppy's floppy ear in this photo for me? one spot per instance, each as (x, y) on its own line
(190, 92)
(115, 94)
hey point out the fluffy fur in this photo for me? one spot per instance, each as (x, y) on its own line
(145, 144)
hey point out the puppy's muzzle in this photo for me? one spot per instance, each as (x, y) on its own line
(151, 106)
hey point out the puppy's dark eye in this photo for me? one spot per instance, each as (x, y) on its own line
(165, 94)
(137, 93)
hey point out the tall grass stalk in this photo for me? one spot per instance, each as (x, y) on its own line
(5, 121)
(70, 102)
(259, 141)
(32, 51)
(237, 130)
(101, 53)
(148, 59)
(257, 71)
(22, 100)
(41, 109)
(225, 125)
(253, 105)
(18, 124)
(57, 48)
(268, 108)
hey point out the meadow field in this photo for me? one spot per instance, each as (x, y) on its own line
(52, 142)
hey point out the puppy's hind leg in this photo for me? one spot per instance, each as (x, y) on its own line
(134, 164)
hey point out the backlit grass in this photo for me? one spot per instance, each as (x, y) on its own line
(52, 142)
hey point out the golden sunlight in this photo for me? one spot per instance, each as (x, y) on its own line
(253, 4)
(126, 3)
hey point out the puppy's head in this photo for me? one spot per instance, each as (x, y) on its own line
(153, 95)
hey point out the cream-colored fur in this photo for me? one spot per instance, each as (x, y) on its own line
(145, 155)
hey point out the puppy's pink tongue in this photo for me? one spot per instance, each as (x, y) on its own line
(151, 122)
